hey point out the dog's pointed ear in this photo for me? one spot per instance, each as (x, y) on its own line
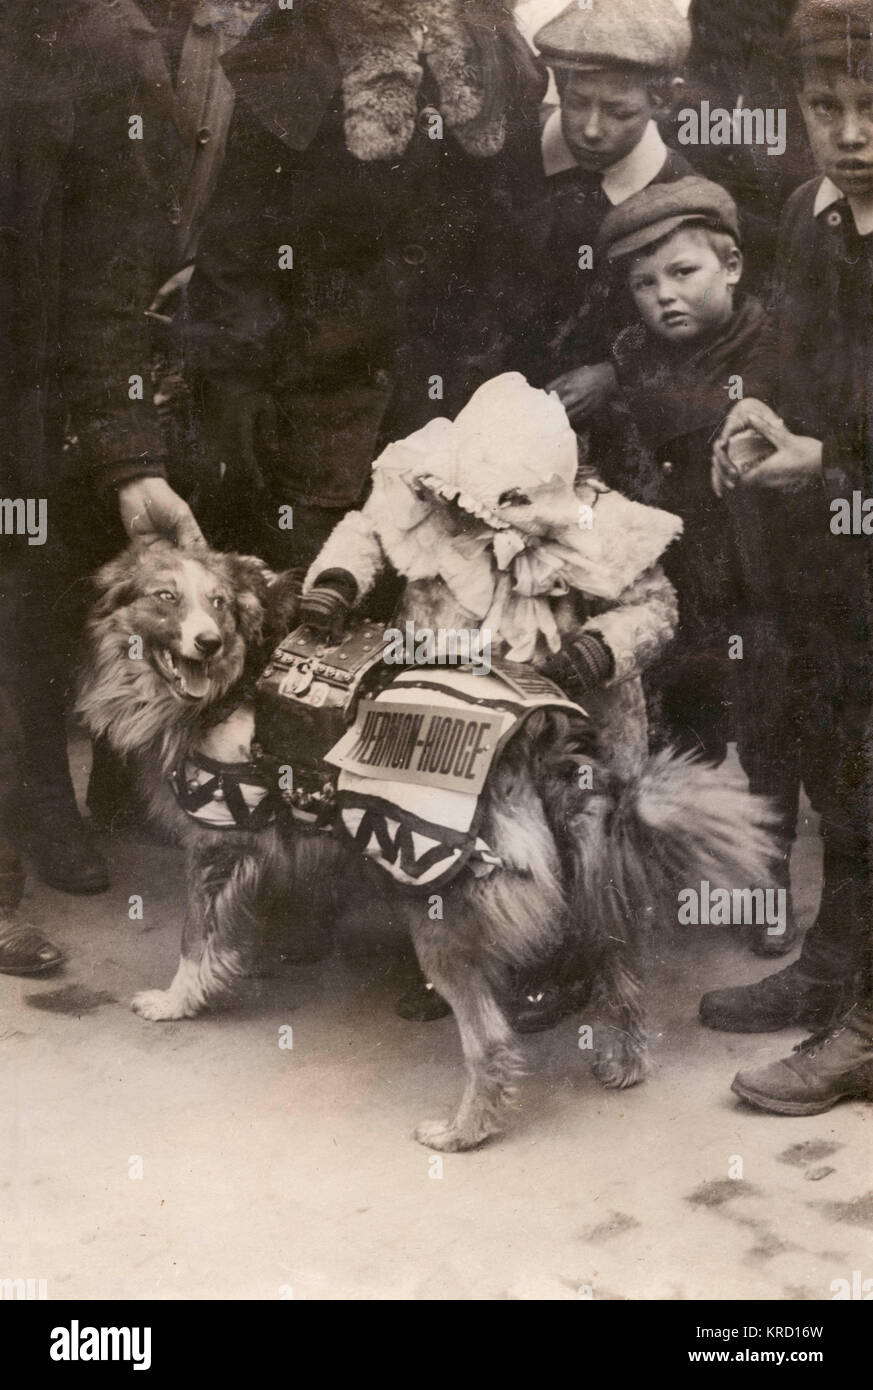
(283, 603)
(114, 584)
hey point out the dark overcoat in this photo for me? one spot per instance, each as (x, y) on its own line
(379, 294)
(85, 237)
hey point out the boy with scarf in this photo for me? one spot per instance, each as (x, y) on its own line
(698, 344)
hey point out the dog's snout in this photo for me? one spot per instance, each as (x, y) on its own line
(207, 644)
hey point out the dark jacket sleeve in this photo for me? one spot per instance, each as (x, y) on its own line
(116, 212)
(105, 292)
(237, 309)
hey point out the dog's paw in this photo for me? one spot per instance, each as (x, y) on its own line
(158, 1005)
(448, 1138)
(621, 1061)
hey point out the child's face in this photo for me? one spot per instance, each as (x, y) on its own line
(838, 111)
(603, 115)
(682, 289)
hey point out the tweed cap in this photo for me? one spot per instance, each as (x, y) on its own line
(837, 29)
(617, 33)
(662, 207)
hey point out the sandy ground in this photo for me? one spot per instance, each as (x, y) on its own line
(271, 1173)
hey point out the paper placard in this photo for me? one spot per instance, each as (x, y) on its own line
(431, 745)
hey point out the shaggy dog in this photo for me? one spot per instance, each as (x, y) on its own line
(584, 872)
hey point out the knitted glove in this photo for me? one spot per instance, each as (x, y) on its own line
(582, 665)
(326, 605)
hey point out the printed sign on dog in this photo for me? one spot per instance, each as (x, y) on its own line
(434, 746)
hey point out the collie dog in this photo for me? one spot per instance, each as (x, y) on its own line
(174, 639)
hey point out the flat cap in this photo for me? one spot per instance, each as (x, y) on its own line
(831, 29)
(660, 208)
(617, 33)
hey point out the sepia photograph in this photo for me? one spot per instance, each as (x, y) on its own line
(436, 665)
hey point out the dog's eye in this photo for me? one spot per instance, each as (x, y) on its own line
(166, 595)
(219, 602)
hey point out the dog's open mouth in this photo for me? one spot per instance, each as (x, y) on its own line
(189, 679)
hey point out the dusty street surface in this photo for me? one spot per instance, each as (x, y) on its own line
(273, 1173)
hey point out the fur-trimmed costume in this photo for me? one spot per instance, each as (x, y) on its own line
(539, 573)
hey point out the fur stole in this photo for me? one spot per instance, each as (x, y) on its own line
(382, 48)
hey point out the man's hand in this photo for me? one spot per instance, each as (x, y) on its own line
(151, 511)
(795, 462)
(585, 390)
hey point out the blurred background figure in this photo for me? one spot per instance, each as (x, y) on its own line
(737, 59)
(185, 41)
(375, 149)
(88, 197)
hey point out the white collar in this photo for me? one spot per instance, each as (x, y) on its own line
(620, 180)
(828, 194)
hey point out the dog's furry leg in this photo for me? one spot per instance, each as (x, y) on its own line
(221, 927)
(461, 976)
(620, 1057)
(628, 846)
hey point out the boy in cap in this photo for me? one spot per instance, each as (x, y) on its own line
(615, 66)
(699, 339)
(821, 462)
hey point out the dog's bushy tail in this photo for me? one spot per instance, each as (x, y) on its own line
(630, 846)
(682, 821)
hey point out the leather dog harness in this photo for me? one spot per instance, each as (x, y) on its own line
(225, 796)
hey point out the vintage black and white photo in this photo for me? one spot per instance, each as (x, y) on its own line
(436, 656)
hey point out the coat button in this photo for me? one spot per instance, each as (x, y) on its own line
(667, 467)
(834, 218)
(413, 253)
(381, 378)
(425, 116)
(204, 135)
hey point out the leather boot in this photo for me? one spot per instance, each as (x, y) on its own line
(421, 1003)
(62, 849)
(538, 1007)
(778, 1001)
(833, 1065)
(24, 950)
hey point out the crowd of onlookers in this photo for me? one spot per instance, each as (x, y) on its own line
(245, 246)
